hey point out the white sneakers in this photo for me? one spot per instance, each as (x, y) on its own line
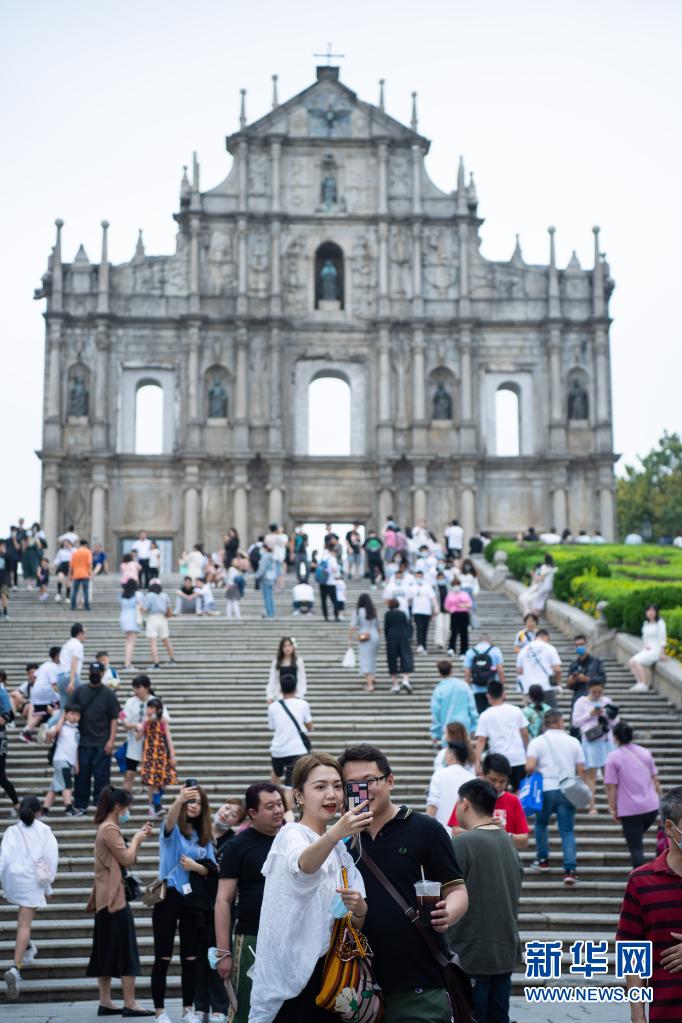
(13, 981)
(640, 687)
(421, 650)
(30, 953)
(395, 688)
(165, 1018)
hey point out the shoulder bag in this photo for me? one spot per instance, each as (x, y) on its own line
(349, 988)
(43, 874)
(131, 885)
(157, 890)
(305, 739)
(577, 791)
(457, 983)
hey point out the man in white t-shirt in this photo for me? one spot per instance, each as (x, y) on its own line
(70, 664)
(445, 783)
(424, 608)
(399, 587)
(290, 719)
(303, 598)
(556, 755)
(454, 539)
(143, 548)
(329, 569)
(505, 728)
(538, 663)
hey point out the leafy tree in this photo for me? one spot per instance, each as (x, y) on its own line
(651, 496)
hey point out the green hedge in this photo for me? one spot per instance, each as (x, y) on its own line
(673, 622)
(626, 598)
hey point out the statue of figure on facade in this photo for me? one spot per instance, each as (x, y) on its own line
(442, 403)
(329, 191)
(329, 282)
(578, 403)
(217, 400)
(78, 397)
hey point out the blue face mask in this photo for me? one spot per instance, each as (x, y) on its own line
(124, 817)
(581, 651)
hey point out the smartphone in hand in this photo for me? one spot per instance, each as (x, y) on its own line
(357, 792)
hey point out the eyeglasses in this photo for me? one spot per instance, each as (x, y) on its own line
(372, 780)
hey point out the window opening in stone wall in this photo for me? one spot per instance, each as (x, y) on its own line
(507, 417)
(149, 419)
(329, 277)
(329, 421)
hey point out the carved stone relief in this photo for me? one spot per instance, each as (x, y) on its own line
(258, 264)
(221, 276)
(294, 278)
(439, 271)
(363, 275)
(259, 166)
(399, 176)
(400, 247)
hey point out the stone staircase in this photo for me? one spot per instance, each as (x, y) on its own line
(216, 699)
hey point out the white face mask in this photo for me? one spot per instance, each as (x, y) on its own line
(220, 823)
(677, 841)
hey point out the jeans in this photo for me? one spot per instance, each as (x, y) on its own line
(328, 592)
(144, 572)
(268, 597)
(634, 827)
(94, 767)
(555, 802)
(75, 587)
(459, 626)
(491, 997)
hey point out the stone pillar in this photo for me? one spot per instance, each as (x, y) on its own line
(467, 429)
(275, 390)
(463, 239)
(418, 396)
(559, 508)
(193, 373)
(275, 164)
(416, 180)
(385, 429)
(191, 533)
(242, 267)
(54, 381)
(50, 517)
(419, 494)
(194, 265)
(243, 162)
(601, 348)
(417, 301)
(275, 276)
(383, 268)
(241, 393)
(557, 425)
(98, 525)
(607, 514)
(103, 278)
(468, 513)
(102, 381)
(275, 504)
(240, 508)
(382, 208)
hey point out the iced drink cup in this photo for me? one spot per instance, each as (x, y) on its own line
(428, 895)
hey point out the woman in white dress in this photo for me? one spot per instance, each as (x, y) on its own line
(28, 865)
(533, 599)
(304, 893)
(654, 637)
(287, 662)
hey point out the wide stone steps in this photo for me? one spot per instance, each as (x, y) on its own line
(216, 700)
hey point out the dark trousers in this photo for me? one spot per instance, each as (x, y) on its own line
(422, 623)
(6, 783)
(78, 584)
(459, 626)
(481, 701)
(634, 827)
(94, 771)
(328, 592)
(302, 1008)
(518, 773)
(144, 572)
(167, 916)
(375, 565)
(491, 997)
(210, 995)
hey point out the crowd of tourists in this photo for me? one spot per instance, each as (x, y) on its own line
(322, 842)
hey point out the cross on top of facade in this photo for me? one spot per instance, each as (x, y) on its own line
(329, 54)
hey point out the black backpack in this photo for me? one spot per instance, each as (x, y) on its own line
(482, 667)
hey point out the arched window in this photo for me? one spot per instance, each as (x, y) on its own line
(149, 418)
(329, 419)
(507, 421)
(329, 288)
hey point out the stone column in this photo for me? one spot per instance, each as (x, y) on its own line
(191, 533)
(468, 504)
(243, 162)
(275, 164)
(240, 508)
(607, 514)
(98, 526)
(101, 409)
(463, 239)
(275, 390)
(194, 265)
(418, 397)
(467, 430)
(417, 301)
(52, 430)
(559, 508)
(382, 207)
(419, 494)
(383, 263)
(193, 373)
(557, 425)
(416, 180)
(385, 429)
(241, 395)
(50, 518)
(242, 267)
(275, 277)
(601, 349)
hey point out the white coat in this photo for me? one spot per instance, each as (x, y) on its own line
(17, 864)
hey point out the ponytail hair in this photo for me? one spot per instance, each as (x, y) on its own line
(109, 799)
(156, 703)
(536, 694)
(29, 809)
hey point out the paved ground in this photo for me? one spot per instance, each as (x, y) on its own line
(80, 1012)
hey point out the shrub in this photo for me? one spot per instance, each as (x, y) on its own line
(589, 564)
(673, 623)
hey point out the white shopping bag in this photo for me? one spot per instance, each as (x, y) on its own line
(349, 658)
(439, 637)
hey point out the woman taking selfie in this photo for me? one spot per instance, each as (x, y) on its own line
(303, 881)
(114, 944)
(186, 860)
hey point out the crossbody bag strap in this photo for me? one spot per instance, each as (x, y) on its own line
(556, 762)
(549, 675)
(291, 717)
(410, 912)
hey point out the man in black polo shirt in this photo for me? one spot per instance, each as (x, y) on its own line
(241, 869)
(99, 720)
(401, 843)
(583, 670)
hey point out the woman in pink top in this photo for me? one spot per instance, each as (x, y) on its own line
(458, 604)
(632, 788)
(130, 569)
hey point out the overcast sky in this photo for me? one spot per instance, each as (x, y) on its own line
(567, 113)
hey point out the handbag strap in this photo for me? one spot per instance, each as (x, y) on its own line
(556, 762)
(33, 860)
(291, 717)
(410, 912)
